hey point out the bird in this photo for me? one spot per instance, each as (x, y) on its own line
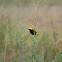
(33, 32)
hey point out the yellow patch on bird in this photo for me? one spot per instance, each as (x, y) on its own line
(30, 28)
(36, 33)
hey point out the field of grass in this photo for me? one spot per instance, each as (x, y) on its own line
(18, 45)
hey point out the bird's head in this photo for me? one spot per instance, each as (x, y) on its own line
(30, 28)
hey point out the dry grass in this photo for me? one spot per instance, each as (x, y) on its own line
(18, 45)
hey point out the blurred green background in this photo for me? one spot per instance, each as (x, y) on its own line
(17, 44)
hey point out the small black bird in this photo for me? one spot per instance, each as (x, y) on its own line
(33, 32)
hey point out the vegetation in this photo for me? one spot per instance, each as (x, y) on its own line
(17, 44)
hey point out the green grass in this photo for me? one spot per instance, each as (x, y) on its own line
(18, 45)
